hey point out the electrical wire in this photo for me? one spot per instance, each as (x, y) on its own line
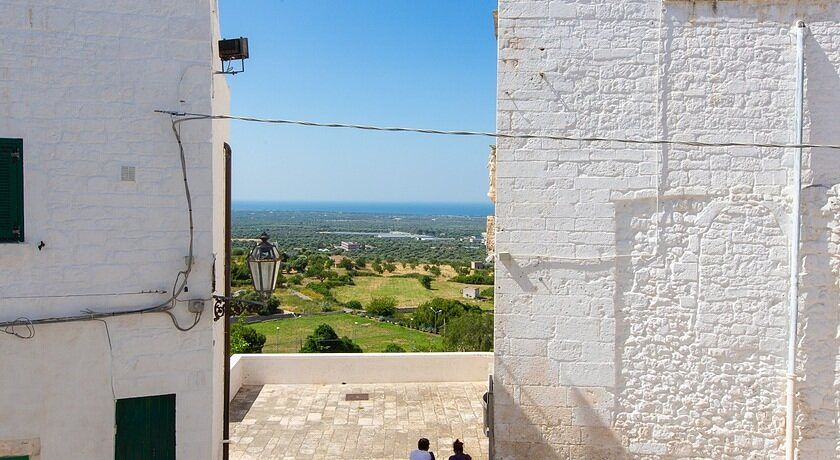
(163, 307)
(20, 321)
(97, 294)
(111, 354)
(189, 116)
(196, 319)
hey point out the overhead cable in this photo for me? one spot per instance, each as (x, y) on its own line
(188, 116)
(166, 306)
(93, 294)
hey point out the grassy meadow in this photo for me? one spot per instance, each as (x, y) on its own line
(407, 291)
(287, 335)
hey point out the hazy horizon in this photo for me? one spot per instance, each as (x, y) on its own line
(473, 209)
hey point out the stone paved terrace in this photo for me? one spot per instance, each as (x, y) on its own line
(315, 421)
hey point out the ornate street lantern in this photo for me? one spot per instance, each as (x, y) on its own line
(264, 262)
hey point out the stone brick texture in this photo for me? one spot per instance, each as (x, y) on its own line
(642, 312)
(79, 81)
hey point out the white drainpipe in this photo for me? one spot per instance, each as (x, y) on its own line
(790, 415)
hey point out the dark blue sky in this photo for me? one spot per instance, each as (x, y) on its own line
(396, 62)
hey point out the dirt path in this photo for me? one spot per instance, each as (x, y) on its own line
(300, 294)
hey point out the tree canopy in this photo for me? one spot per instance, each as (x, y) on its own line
(325, 340)
(469, 332)
(431, 314)
(382, 306)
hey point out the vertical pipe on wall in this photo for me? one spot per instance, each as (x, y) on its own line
(790, 413)
(226, 402)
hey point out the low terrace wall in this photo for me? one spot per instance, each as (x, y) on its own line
(330, 368)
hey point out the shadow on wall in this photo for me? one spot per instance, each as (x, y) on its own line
(536, 417)
(545, 426)
(819, 352)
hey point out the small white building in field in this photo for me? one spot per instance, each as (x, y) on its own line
(471, 292)
(95, 230)
(643, 304)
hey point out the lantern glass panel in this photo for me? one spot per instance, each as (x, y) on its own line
(264, 262)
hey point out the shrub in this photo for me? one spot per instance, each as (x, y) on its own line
(237, 344)
(471, 331)
(394, 348)
(320, 288)
(244, 339)
(354, 305)
(460, 269)
(426, 281)
(257, 304)
(488, 293)
(479, 277)
(426, 314)
(382, 306)
(324, 340)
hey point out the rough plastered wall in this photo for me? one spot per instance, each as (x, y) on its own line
(642, 290)
(79, 81)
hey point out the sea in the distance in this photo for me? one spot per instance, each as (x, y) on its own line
(422, 209)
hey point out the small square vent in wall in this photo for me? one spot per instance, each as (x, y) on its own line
(127, 174)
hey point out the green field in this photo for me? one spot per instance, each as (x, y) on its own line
(407, 291)
(287, 335)
(291, 302)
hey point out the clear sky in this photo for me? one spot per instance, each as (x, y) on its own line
(428, 64)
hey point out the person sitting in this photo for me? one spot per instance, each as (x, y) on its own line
(422, 451)
(458, 447)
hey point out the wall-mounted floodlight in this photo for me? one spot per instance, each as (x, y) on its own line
(233, 49)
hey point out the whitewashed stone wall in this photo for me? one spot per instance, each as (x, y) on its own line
(79, 81)
(642, 311)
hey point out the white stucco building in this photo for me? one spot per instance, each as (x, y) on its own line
(104, 226)
(643, 290)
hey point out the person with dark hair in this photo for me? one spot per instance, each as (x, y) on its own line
(458, 447)
(422, 451)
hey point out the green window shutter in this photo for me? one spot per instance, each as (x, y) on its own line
(145, 428)
(11, 190)
(17, 457)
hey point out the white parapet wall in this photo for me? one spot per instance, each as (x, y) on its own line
(330, 368)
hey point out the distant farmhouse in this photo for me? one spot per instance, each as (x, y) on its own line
(478, 265)
(350, 246)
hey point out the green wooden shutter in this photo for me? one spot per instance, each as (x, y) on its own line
(145, 428)
(11, 190)
(17, 457)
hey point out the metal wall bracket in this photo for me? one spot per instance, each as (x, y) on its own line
(231, 306)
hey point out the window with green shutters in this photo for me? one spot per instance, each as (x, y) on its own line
(11, 190)
(146, 428)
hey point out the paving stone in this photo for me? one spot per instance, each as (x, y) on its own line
(316, 422)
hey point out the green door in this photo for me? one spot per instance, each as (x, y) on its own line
(146, 428)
